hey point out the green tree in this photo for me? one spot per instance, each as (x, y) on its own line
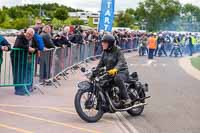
(124, 19)
(191, 9)
(20, 23)
(157, 12)
(2, 16)
(61, 14)
(15, 13)
(77, 22)
(130, 11)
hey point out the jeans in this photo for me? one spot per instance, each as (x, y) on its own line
(98, 49)
(82, 51)
(161, 51)
(86, 55)
(129, 44)
(45, 65)
(151, 53)
(191, 48)
(91, 49)
(124, 45)
(156, 51)
(143, 50)
(178, 48)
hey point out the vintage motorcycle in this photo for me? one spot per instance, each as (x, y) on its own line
(99, 95)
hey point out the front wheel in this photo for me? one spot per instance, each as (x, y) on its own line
(134, 94)
(87, 106)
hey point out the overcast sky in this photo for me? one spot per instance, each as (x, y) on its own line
(89, 5)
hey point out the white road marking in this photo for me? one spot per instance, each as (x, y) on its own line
(126, 126)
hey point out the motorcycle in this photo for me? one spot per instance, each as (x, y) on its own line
(100, 95)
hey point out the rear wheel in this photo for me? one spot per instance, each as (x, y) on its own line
(134, 94)
(87, 106)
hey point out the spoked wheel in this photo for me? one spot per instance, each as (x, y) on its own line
(135, 95)
(87, 106)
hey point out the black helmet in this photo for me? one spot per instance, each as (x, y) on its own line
(110, 39)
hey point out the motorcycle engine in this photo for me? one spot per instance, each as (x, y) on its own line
(115, 96)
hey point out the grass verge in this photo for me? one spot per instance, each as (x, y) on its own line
(196, 62)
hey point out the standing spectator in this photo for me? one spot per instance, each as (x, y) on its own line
(98, 44)
(191, 40)
(160, 46)
(77, 38)
(176, 47)
(4, 46)
(152, 44)
(38, 39)
(38, 26)
(143, 45)
(91, 39)
(47, 56)
(46, 35)
(22, 61)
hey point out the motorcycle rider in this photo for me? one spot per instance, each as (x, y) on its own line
(114, 62)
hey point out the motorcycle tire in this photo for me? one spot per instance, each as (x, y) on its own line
(80, 111)
(140, 109)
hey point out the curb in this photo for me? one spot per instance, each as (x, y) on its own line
(186, 65)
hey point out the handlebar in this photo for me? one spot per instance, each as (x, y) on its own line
(95, 73)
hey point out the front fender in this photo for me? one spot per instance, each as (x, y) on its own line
(85, 85)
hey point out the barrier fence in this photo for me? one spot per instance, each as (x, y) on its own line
(19, 68)
(56, 62)
(16, 69)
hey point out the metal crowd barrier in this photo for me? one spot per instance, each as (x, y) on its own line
(16, 69)
(54, 63)
(21, 69)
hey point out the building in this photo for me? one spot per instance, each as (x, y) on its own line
(85, 16)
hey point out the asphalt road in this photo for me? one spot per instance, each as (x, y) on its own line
(173, 108)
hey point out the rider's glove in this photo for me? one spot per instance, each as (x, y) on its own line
(112, 72)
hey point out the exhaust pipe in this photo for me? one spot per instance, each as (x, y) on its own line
(126, 109)
(132, 107)
(138, 105)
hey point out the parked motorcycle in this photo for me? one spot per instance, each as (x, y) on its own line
(99, 95)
